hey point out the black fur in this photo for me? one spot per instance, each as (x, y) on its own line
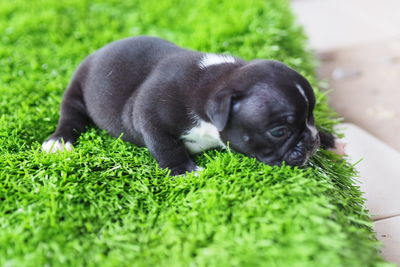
(150, 89)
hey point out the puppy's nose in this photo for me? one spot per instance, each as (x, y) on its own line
(296, 158)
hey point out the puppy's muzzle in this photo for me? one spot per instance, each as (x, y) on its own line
(303, 150)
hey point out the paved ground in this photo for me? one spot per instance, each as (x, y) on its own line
(365, 84)
(378, 180)
(358, 43)
(335, 24)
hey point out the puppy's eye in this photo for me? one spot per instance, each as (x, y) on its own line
(278, 132)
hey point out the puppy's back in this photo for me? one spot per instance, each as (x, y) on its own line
(110, 76)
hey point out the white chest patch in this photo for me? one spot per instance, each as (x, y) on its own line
(202, 137)
(214, 59)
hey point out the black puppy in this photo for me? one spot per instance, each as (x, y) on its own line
(176, 101)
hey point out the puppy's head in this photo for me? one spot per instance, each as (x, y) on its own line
(265, 110)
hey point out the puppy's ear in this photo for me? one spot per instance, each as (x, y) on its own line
(218, 108)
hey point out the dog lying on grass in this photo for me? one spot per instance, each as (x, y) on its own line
(177, 102)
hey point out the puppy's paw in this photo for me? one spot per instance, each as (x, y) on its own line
(339, 148)
(182, 169)
(197, 171)
(56, 145)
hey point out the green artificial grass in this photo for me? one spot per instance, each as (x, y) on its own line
(108, 204)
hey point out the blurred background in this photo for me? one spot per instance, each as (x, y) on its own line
(358, 45)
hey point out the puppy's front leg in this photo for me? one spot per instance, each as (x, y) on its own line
(327, 140)
(169, 151)
(330, 142)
